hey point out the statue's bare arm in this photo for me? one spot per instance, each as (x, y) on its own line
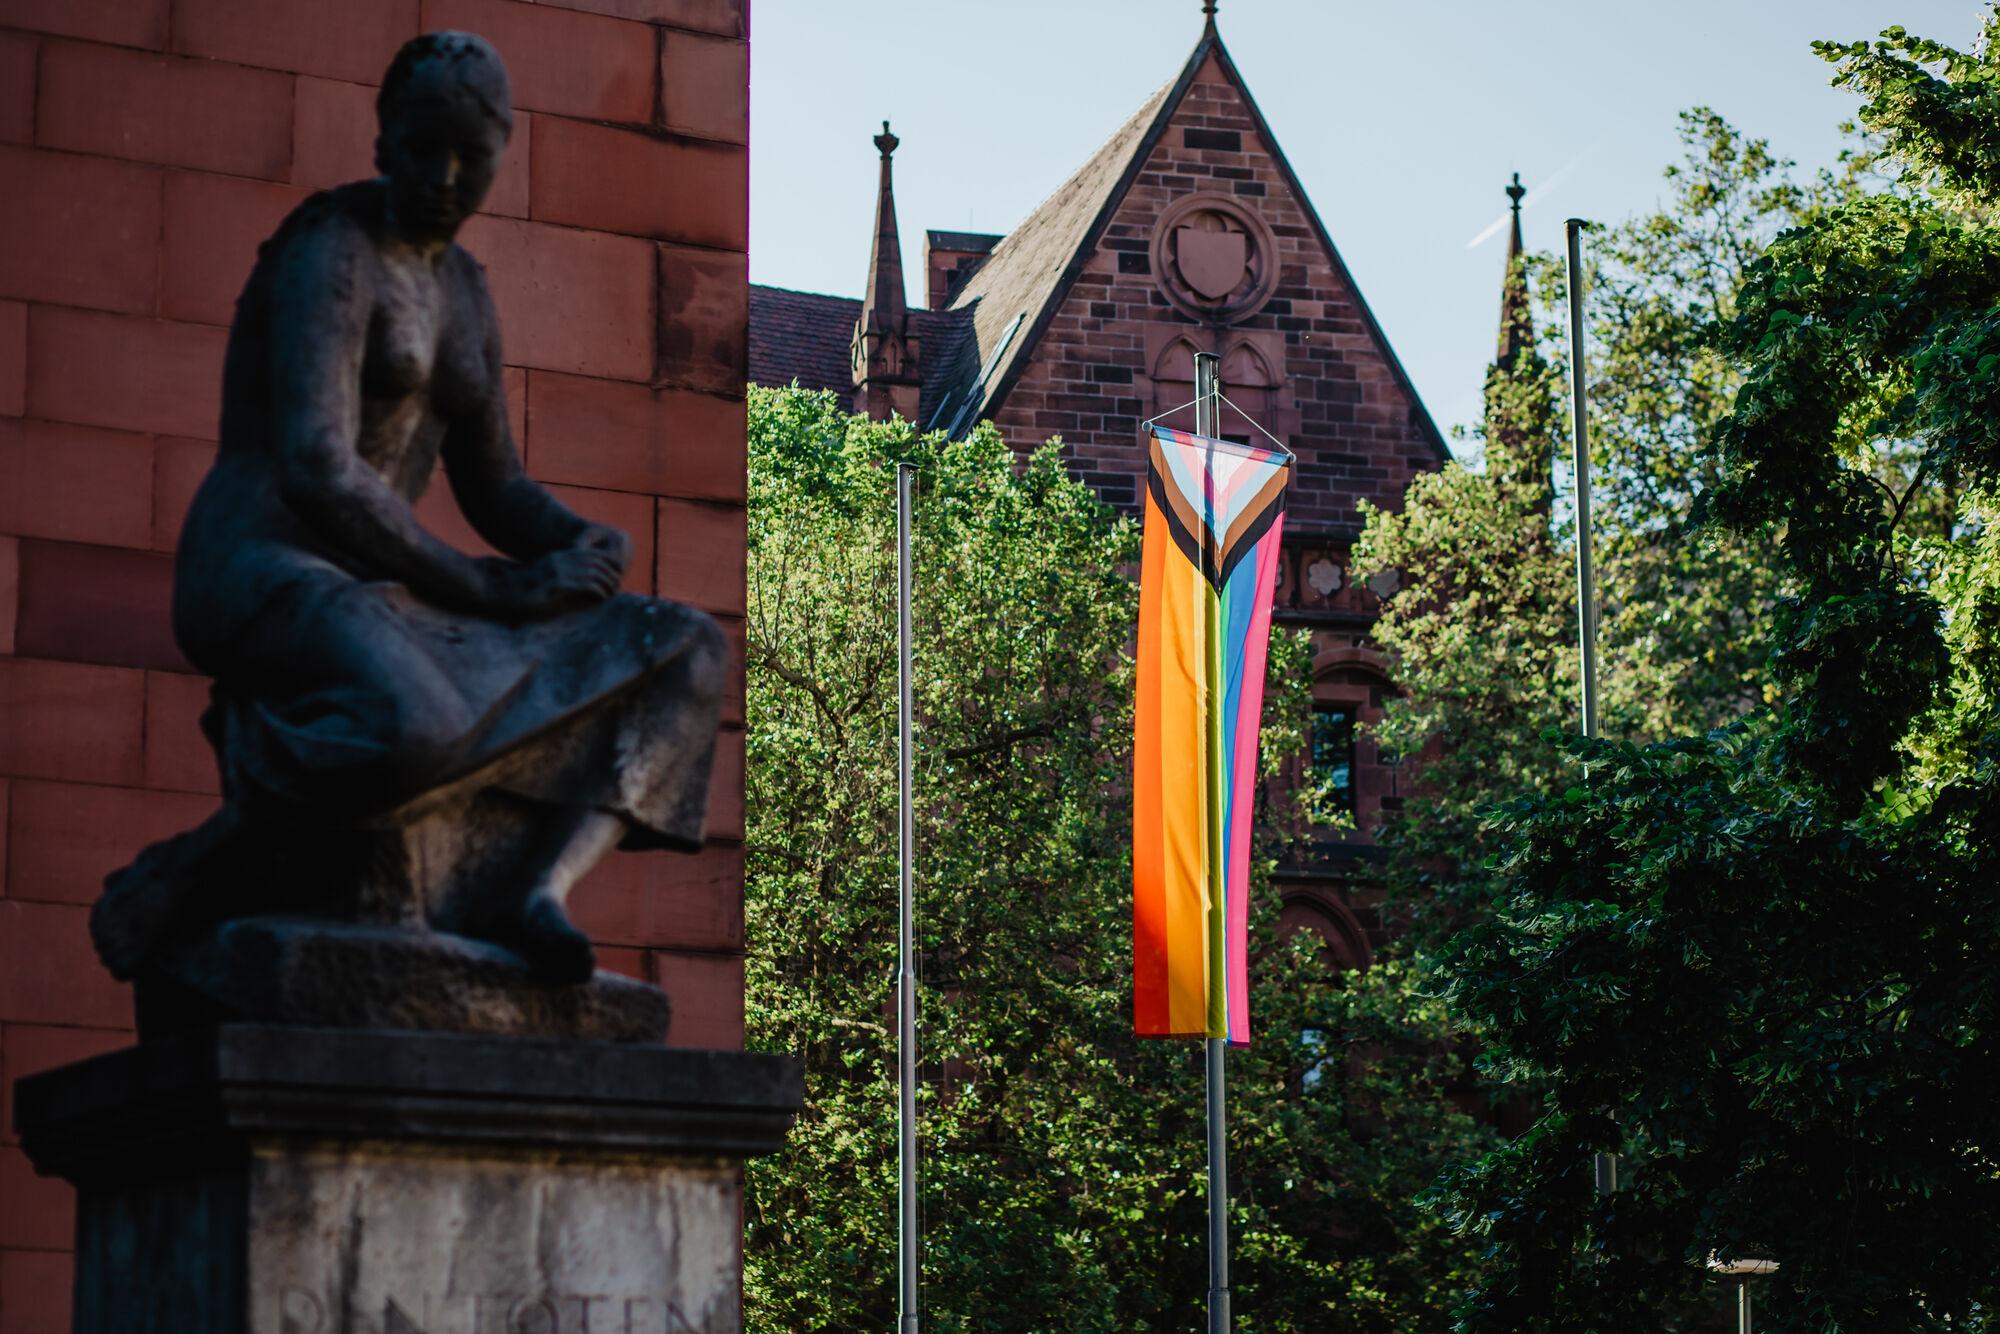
(322, 299)
(504, 505)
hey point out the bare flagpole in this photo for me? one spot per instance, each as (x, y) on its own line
(906, 978)
(1604, 1165)
(1207, 391)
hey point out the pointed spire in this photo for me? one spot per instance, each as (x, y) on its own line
(885, 347)
(1520, 414)
(1516, 322)
(885, 273)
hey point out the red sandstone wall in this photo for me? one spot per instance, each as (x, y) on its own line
(146, 146)
(1341, 409)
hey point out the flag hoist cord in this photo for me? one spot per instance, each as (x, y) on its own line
(1206, 410)
(906, 978)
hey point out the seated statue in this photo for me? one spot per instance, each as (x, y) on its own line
(408, 736)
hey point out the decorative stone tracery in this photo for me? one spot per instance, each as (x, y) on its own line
(1215, 260)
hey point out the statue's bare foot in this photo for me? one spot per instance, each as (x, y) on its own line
(161, 894)
(553, 947)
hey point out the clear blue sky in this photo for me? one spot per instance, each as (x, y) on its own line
(1403, 120)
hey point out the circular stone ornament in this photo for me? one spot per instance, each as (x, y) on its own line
(1215, 260)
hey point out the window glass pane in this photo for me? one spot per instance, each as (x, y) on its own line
(1333, 751)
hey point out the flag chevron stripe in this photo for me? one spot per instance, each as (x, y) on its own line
(1250, 500)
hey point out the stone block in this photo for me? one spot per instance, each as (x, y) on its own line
(70, 721)
(705, 86)
(736, 632)
(165, 109)
(311, 1180)
(97, 604)
(126, 373)
(569, 300)
(704, 314)
(178, 757)
(178, 468)
(328, 974)
(708, 997)
(724, 18)
(509, 196)
(79, 231)
(214, 225)
(75, 484)
(17, 88)
(10, 587)
(40, 1213)
(703, 555)
(725, 789)
(620, 180)
(64, 838)
(670, 899)
(333, 132)
(628, 437)
(355, 39)
(34, 1291)
(560, 61)
(49, 972)
(141, 23)
(13, 358)
(533, 1243)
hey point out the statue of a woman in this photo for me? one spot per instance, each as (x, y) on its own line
(498, 723)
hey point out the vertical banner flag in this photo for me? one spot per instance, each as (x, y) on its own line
(1214, 513)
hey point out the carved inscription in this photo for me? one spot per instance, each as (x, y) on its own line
(395, 1241)
(303, 1312)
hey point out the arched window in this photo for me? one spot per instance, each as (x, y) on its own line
(1173, 384)
(1320, 910)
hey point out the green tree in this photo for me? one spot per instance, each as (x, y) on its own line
(1483, 633)
(1063, 1182)
(1759, 962)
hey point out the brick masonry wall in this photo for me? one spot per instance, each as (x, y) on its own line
(1342, 410)
(146, 147)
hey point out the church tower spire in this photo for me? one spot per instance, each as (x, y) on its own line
(1520, 408)
(1516, 323)
(885, 348)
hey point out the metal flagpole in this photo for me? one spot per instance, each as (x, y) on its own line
(906, 978)
(1604, 1165)
(1586, 579)
(1207, 392)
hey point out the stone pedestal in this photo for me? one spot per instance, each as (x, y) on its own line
(259, 1179)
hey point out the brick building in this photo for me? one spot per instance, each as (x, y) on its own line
(146, 147)
(1186, 232)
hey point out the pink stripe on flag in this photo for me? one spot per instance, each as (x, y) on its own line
(1256, 651)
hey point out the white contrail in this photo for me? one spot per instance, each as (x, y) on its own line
(1528, 200)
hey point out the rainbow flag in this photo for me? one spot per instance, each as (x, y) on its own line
(1214, 512)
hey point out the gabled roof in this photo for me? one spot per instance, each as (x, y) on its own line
(1018, 290)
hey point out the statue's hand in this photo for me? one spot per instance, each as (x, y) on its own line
(611, 541)
(557, 582)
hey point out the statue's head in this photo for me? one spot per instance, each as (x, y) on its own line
(445, 117)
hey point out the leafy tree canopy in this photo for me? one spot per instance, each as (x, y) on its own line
(1483, 634)
(1759, 962)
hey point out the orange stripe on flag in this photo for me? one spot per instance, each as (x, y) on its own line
(1169, 821)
